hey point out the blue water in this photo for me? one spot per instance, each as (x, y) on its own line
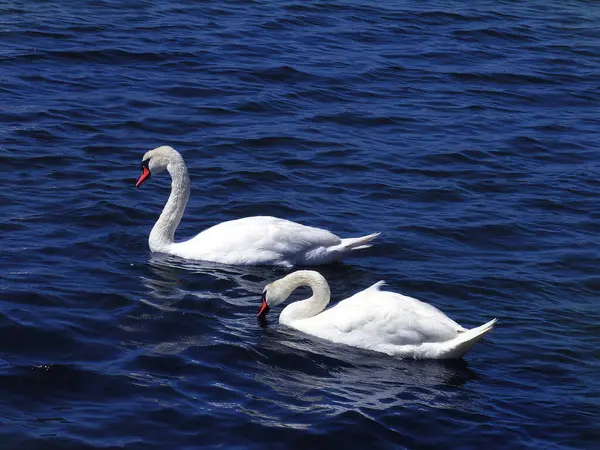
(466, 132)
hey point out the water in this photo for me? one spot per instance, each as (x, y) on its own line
(466, 134)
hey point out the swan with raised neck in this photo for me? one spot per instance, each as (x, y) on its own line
(250, 240)
(162, 236)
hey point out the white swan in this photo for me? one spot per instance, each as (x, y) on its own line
(372, 319)
(251, 240)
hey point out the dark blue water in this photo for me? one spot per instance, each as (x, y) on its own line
(466, 132)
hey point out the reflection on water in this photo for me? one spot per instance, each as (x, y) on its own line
(170, 277)
(352, 378)
(364, 387)
(175, 277)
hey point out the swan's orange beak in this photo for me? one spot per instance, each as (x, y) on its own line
(143, 177)
(264, 308)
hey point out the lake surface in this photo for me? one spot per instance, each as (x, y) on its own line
(467, 133)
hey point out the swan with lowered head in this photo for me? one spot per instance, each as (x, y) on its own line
(251, 240)
(372, 319)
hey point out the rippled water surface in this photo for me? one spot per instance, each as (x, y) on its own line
(467, 133)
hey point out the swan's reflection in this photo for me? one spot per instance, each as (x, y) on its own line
(340, 378)
(173, 268)
(170, 278)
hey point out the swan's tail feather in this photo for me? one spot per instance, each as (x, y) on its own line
(377, 286)
(359, 243)
(322, 255)
(338, 251)
(459, 346)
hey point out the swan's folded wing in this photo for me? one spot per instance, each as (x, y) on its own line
(394, 302)
(366, 322)
(291, 238)
(259, 238)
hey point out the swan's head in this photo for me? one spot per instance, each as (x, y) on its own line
(273, 294)
(156, 161)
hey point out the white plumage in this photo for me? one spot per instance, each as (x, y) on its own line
(251, 240)
(372, 319)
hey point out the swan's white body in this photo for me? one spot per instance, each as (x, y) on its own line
(251, 240)
(372, 319)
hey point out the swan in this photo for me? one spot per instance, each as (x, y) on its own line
(372, 319)
(251, 240)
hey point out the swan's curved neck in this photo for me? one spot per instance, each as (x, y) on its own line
(310, 307)
(162, 235)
